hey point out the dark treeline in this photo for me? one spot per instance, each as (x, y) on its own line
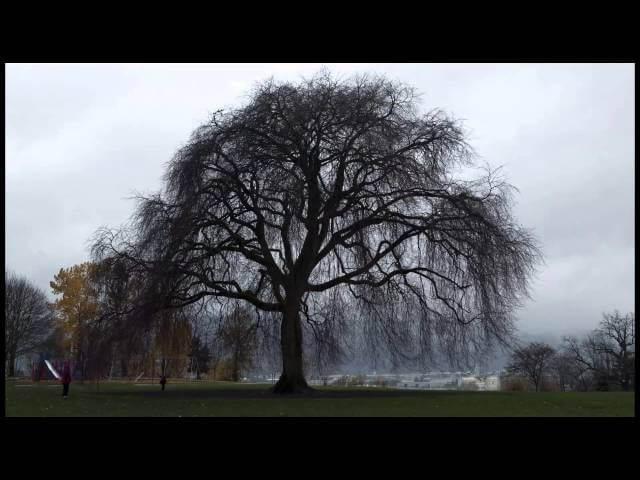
(96, 322)
(93, 323)
(604, 360)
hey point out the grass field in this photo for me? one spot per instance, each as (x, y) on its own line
(223, 399)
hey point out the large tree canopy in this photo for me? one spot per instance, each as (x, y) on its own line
(335, 194)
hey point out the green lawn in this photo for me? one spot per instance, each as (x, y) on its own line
(223, 399)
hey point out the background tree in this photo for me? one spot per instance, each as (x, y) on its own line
(268, 349)
(76, 308)
(97, 306)
(608, 352)
(172, 342)
(200, 354)
(54, 344)
(216, 356)
(532, 361)
(99, 351)
(111, 283)
(590, 363)
(29, 319)
(329, 341)
(335, 189)
(616, 338)
(201, 327)
(238, 335)
(565, 371)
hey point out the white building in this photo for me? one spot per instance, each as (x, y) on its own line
(422, 381)
(481, 383)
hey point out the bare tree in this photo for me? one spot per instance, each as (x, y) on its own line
(335, 189)
(29, 318)
(533, 361)
(567, 372)
(617, 339)
(590, 363)
(608, 352)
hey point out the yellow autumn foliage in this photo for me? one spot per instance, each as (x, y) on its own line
(77, 303)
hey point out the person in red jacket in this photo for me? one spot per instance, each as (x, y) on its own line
(66, 379)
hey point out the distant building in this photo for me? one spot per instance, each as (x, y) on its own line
(416, 381)
(481, 383)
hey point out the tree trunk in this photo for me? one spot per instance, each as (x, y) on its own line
(625, 384)
(123, 368)
(292, 378)
(12, 364)
(234, 372)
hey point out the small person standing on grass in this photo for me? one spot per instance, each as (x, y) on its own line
(163, 381)
(66, 379)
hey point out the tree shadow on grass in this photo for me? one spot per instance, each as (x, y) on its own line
(266, 393)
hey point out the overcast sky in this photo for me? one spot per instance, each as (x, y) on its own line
(82, 138)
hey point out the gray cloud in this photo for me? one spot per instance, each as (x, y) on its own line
(81, 138)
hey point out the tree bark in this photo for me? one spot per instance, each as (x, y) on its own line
(292, 378)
